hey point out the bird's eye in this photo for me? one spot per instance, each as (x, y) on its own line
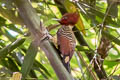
(65, 18)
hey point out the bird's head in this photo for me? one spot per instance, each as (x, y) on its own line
(69, 18)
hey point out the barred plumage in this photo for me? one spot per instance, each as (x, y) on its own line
(67, 32)
(66, 43)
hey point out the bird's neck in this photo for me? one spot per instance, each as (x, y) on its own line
(67, 27)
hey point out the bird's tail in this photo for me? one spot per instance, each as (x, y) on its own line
(65, 59)
(66, 63)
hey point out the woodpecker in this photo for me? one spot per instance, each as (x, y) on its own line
(66, 39)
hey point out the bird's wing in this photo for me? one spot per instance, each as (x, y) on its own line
(65, 45)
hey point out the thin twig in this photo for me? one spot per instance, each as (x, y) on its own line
(107, 13)
(79, 64)
(51, 27)
(114, 70)
(87, 67)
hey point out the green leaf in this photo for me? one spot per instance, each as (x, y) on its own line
(6, 50)
(29, 60)
(38, 64)
(113, 5)
(9, 63)
(82, 48)
(2, 21)
(111, 37)
(8, 35)
(12, 27)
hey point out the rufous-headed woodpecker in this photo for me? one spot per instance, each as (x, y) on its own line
(66, 39)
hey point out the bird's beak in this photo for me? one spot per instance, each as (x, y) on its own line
(56, 19)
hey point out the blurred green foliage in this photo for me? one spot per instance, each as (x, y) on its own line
(15, 42)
